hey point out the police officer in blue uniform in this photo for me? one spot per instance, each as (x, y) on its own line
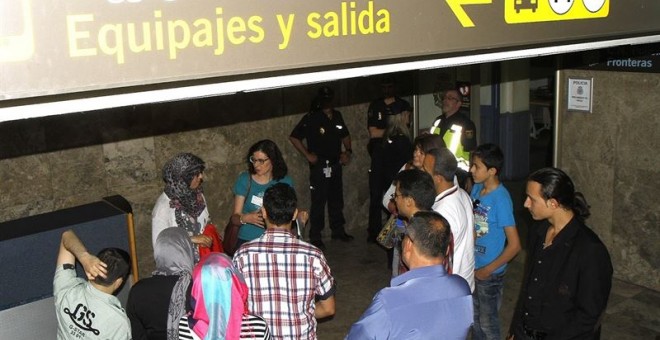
(325, 132)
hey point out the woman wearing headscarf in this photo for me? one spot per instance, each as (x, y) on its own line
(182, 203)
(218, 304)
(266, 167)
(156, 304)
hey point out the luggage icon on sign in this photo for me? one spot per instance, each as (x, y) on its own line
(526, 4)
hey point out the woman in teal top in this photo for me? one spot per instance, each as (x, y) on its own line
(265, 168)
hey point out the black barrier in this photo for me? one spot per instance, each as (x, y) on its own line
(28, 253)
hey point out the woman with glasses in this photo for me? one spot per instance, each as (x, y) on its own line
(265, 168)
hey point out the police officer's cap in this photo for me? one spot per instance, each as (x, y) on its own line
(326, 92)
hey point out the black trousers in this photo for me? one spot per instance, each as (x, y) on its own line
(375, 148)
(326, 191)
(522, 332)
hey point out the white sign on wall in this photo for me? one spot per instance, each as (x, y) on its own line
(580, 94)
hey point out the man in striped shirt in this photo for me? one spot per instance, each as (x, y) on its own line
(289, 280)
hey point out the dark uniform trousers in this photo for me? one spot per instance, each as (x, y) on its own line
(326, 190)
(375, 148)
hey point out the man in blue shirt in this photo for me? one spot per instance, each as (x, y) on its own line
(426, 302)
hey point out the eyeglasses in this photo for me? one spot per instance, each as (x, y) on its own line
(256, 161)
(450, 98)
(394, 195)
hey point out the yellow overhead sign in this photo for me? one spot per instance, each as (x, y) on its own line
(528, 11)
(53, 47)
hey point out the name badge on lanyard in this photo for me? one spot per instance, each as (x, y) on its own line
(327, 171)
(256, 200)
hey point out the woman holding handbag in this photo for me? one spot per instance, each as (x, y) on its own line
(265, 168)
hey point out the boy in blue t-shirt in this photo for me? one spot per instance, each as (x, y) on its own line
(497, 240)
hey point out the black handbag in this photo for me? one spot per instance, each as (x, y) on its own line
(230, 237)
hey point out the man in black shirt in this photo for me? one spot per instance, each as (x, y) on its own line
(325, 131)
(568, 276)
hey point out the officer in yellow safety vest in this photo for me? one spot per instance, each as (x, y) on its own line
(457, 131)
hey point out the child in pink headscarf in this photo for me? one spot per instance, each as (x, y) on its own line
(218, 301)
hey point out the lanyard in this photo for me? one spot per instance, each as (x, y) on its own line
(448, 194)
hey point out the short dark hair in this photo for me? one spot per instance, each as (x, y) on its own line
(271, 150)
(430, 233)
(418, 185)
(427, 141)
(117, 262)
(445, 164)
(491, 155)
(280, 203)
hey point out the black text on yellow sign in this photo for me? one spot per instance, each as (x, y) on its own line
(528, 11)
(163, 32)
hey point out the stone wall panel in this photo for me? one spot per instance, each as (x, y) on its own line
(612, 156)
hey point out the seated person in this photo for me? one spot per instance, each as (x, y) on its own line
(156, 304)
(87, 309)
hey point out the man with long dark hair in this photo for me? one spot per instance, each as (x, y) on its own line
(569, 270)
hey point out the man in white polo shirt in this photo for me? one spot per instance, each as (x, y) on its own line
(455, 205)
